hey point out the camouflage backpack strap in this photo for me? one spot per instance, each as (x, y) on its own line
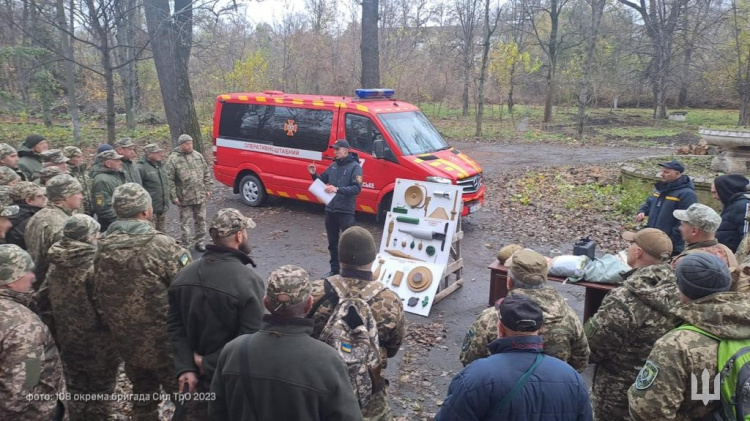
(372, 290)
(330, 296)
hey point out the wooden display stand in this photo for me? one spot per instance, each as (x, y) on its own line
(455, 267)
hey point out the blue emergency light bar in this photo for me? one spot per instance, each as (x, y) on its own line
(374, 93)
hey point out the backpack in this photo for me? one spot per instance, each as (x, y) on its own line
(353, 333)
(734, 371)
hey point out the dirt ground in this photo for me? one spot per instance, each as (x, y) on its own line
(291, 232)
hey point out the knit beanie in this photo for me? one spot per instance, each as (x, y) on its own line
(702, 274)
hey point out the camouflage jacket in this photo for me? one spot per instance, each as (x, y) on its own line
(189, 177)
(132, 175)
(81, 174)
(621, 334)
(562, 330)
(71, 280)
(662, 390)
(30, 361)
(44, 229)
(132, 270)
(712, 247)
(387, 309)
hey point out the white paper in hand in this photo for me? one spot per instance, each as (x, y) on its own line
(318, 188)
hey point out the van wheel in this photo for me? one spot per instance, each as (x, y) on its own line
(252, 192)
(385, 207)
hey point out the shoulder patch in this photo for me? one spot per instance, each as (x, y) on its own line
(184, 259)
(467, 340)
(359, 179)
(647, 376)
(33, 369)
(99, 200)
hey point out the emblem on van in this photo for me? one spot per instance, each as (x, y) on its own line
(290, 128)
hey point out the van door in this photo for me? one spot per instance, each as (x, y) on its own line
(360, 130)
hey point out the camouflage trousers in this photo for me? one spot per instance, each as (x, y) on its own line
(378, 409)
(609, 396)
(91, 364)
(146, 382)
(198, 213)
(160, 221)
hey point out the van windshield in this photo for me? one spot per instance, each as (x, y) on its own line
(413, 132)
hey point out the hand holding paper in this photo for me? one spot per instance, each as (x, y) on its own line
(318, 188)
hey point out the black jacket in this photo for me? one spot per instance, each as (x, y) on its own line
(734, 196)
(288, 376)
(154, 180)
(346, 174)
(16, 232)
(204, 317)
(667, 198)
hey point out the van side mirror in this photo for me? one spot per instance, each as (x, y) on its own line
(378, 148)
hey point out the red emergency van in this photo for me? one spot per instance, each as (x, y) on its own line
(263, 143)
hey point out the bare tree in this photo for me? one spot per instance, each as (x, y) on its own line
(741, 33)
(467, 14)
(126, 24)
(660, 19)
(584, 90)
(490, 25)
(369, 47)
(67, 49)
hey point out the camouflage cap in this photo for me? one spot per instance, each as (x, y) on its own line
(152, 148)
(107, 155)
(130, 199)
(287, 286)
(54, 156)
(700, 216)
(125, 142)
(46, 174)
(62, 186)
(14, 263)
(71, 151)
(229, 221)
(184, 138)
(6, 150)
(529, 267)
(504, 254)
(25, 190)
(7, 175)
(81, 227)
(6, 207)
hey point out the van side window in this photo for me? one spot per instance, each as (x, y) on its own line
(288, 127)
(361, 132)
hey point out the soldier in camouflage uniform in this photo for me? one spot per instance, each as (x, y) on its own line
(30, 199)
(132, 270)
(562, 330)
(662, 390)
(29, 361)
(7, 211)
(357, 253)
(8, 177)
(299, 377)
(190, 186)
(107, 176)
(698, 228)
(126, 148)
(77, 168)
(154, 180)
(55, 158)
(85, 345)
(46, 228)
(9, 158)
(629, 321)
(42, 177)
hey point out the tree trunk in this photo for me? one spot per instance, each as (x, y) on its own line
(126, 55)
(744, 109)
(109, 82)
(171, 42)
(584, 96)
(552, 47)
(550, 94)
(369, 46)
(467, 82)
(488, 31)
(685, 82)
(66, 47)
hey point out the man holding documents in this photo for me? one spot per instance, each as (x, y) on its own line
(343, 179)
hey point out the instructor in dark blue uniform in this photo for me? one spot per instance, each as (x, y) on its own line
(344, 178)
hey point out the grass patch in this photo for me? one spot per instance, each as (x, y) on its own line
(643, 132)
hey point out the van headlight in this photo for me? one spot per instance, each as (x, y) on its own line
(442, 180)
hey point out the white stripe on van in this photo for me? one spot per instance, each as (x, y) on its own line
(268, 149)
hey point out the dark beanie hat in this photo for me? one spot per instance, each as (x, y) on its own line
(702, 274)
(104, 147)
(357, 247)
(32, 140)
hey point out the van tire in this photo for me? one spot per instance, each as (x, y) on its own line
(384, 208)
(252, 191)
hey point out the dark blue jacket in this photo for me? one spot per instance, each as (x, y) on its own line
(346, 174)
(732, 192)
(554, 392)
(667, 198)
